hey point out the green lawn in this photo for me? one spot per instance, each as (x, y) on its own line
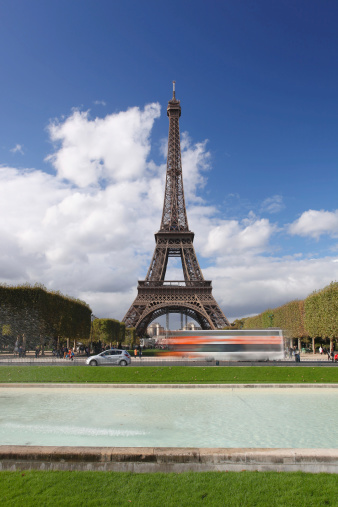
(170, 374)
(32, 488)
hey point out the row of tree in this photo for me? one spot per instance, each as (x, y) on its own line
(111, 331)
(30, 315)
(314, 317)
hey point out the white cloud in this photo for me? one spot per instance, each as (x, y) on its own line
(99, 103)
(88, 230)
(273, 204)
(114, 148)
(18, 148)
(249, 284)
(314, 223)
(195, 161)
(228, 236)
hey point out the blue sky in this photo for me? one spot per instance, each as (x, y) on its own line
(84, 88)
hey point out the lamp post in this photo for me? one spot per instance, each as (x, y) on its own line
(92, 318)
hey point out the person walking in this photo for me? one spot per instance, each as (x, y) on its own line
(332, 354)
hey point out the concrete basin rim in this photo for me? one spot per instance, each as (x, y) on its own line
(166, 386)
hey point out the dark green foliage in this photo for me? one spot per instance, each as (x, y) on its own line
(106, 330)
(321, 312)
(316, 316)
(33, 315)
(112, 331)
(130, 336)
(237, 324)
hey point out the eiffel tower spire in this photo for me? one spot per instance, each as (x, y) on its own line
(193, 296)
(174, 217)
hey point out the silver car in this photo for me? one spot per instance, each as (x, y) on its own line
(110, 357)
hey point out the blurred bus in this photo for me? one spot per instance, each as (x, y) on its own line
(227, 345)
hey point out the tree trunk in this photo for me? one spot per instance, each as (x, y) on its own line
(313, 345)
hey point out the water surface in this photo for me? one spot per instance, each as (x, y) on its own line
(143, 417)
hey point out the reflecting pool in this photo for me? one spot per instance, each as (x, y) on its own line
(143, 417)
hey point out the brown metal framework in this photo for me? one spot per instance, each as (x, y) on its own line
(193, 296)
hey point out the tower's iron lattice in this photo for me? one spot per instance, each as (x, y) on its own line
(193, 296)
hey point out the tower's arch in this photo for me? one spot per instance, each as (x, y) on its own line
(155, 311)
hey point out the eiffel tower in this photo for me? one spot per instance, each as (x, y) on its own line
(157, 296)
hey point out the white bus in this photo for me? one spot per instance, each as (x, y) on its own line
(227, 345)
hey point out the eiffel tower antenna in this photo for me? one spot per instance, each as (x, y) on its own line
(193, 295)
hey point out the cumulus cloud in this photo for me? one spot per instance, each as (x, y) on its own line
(233, 236)
(195, 161)
(114, 148)
(247, 284)
(88, 229)
(314, 223)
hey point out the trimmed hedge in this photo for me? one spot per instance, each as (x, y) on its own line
(315, 317)
(33, 313)
(321, 312)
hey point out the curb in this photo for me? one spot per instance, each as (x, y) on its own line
(174, 459)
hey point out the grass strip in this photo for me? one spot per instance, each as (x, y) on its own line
(271, 489)
(170, 374)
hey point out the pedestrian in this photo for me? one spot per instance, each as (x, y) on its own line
(320, 350)
(140, 352)
(135, 352)
(297, 355)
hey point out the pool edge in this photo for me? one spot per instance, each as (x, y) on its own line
(167, 386)
(163, 459)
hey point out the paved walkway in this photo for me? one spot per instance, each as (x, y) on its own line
(49, 359)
